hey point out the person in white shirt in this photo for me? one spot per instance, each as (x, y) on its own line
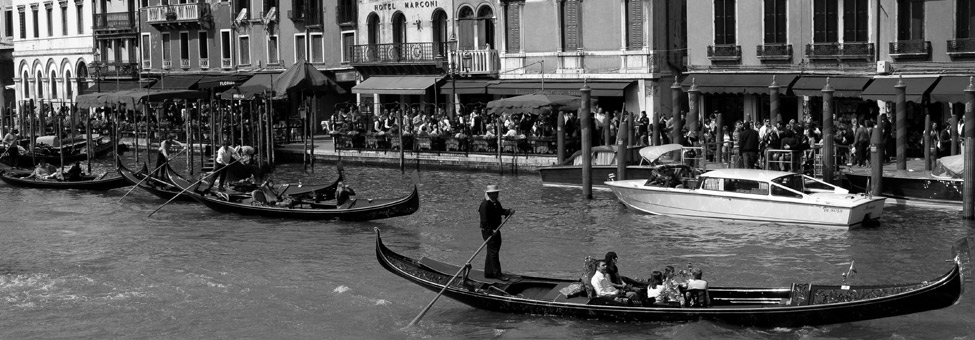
(225, 156)
(603, 287)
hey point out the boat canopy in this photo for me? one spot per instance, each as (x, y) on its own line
(652, 153)
(950, 166)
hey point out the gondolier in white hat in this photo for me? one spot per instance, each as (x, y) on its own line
(491, 212)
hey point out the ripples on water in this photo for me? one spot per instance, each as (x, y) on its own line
(82, 265)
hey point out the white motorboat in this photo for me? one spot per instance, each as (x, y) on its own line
(747, 195)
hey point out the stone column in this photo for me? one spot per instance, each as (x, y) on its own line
(675, 92)
(968, 203)
(828, 166)
(901, 127)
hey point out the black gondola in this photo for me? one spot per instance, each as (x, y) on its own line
(799, 305)
(161, 188)
(52, 155)
(96, 183)
(302, 203)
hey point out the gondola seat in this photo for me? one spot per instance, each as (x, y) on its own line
(696, 298)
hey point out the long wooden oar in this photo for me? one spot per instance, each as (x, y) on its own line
(188, 188)
(152, 172)
(466, 265)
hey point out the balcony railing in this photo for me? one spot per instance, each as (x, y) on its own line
(399, 53)
(774, 52)
(910, 49)
(204, 63)
(184, 63)
(120, 69)
(346, 13)
(852, 50)
(961, 47)
(167, 64)
(118, 21)
(226, 63)
(477, 61)
(178, 13)
(724, 52)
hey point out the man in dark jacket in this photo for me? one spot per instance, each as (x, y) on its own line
(491, 212)
(748, 145)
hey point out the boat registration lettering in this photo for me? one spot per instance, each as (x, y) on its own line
(832, 210)
(845, 287)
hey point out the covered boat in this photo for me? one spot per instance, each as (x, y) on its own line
(569, 173)
(941, 186)
(801, 304)
(299, 203)
(748, 195)
(97, 183)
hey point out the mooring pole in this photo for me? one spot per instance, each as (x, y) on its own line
(585, 120)
(828, 160)
(968, 205)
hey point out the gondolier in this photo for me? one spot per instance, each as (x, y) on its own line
(162, 156)
(491, 212)
(225, 156)
(10, 141)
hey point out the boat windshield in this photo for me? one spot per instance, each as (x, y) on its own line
(793, 182)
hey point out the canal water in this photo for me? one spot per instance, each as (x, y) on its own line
(82, 265)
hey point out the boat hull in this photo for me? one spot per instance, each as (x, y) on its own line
(921, 189)
(162, 189)
(798, 305)
(698, 203)
(91, 184)
(571, 175)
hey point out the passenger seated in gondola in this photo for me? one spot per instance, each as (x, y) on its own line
(696, 294)
(655, 288)
(603, 288)
(74, 174)
(343, 194)
(41, 171)
(619, 281)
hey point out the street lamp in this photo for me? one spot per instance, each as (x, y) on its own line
(452, 68)
(96, 69)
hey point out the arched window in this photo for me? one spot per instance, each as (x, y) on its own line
(26, 82)
(82, 77)
(465, 28)
(40, 85)
(68, 86)
(373, 23)
(54, 85)
(485, 28)
(440, 31)
(399, 28)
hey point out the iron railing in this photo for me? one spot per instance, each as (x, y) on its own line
(204, 63)
(117, 21)
(399, 53)
(226, 63)
(175, 13)
(724, 52)
(116, 69)
(851, 50)
(910, 48)
(184, 63)
(960, 47)
(774, 52)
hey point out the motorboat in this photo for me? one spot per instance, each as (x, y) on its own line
(747, 195)
(604, 164)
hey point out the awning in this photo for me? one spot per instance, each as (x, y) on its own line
(883, 88)
(415, 85)
(950, 90)
(105, 86)
(177, 82)
(133, 97)
(570, 88)
(222, 81)
(738, 83)
(842, 86)
(465, 86)
(257, 84)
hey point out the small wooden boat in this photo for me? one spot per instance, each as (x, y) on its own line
(160, 188)
(795, 306)
(302, 204)
(97, 183)
(604, 160)
(52, 155)
(908, 187)
(748, 195)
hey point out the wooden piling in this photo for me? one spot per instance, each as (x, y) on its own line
(585, 121)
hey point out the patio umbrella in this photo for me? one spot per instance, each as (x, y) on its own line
(302, 76)
(530, 102)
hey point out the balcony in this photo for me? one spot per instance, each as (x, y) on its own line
(840, 51)
(167, 64)
(346, 14)
(226, 63)
(399, 53)
(184, 64)
(116, 69)
(961, 48)
(204, 63)
(177, 14)
(115, 23)
(774, 52)
(904, 49)
(724, 53)
(477, 61)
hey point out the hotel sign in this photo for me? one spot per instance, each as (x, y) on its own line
(392, 6)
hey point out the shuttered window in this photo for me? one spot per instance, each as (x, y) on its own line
(855, 20)
(775, 28)
(825, 21)
(634, 24)
(910, 20)
(965, 21)
(512, 18)
(571, 25)
(724, 22)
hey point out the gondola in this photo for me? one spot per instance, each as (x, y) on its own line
(95, 183)
(795, 306)
(161, 188)
(303, 205)
(53, 156)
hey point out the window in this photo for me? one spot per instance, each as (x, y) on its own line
(184, 45)
(399, 28)
(298, 9)
(779, 191)
(225, 50)
(64, 19)
(440, 39)
(571, 25)
(513, 22)
(634, 24)
(166, 49)
(746, 186)
(68, 91)
(54, 85)
(724, 22)
(910, 20)
(8, 23)
(146, 51)
(373, 23)
(81, 17)
(348, 43)
(301, 48)
(712, 184)
(202, 40)
(244, 50)
(37, 31)
(964, 20)
(775, 19)
(317, 48)
(465, 28)
(23, 24)
(25, 81)
(40, 82)
(273, 56)
(855, 20)
(50, 21)
(485, 28)
(825, 21)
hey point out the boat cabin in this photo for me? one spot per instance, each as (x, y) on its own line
(753, 182)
